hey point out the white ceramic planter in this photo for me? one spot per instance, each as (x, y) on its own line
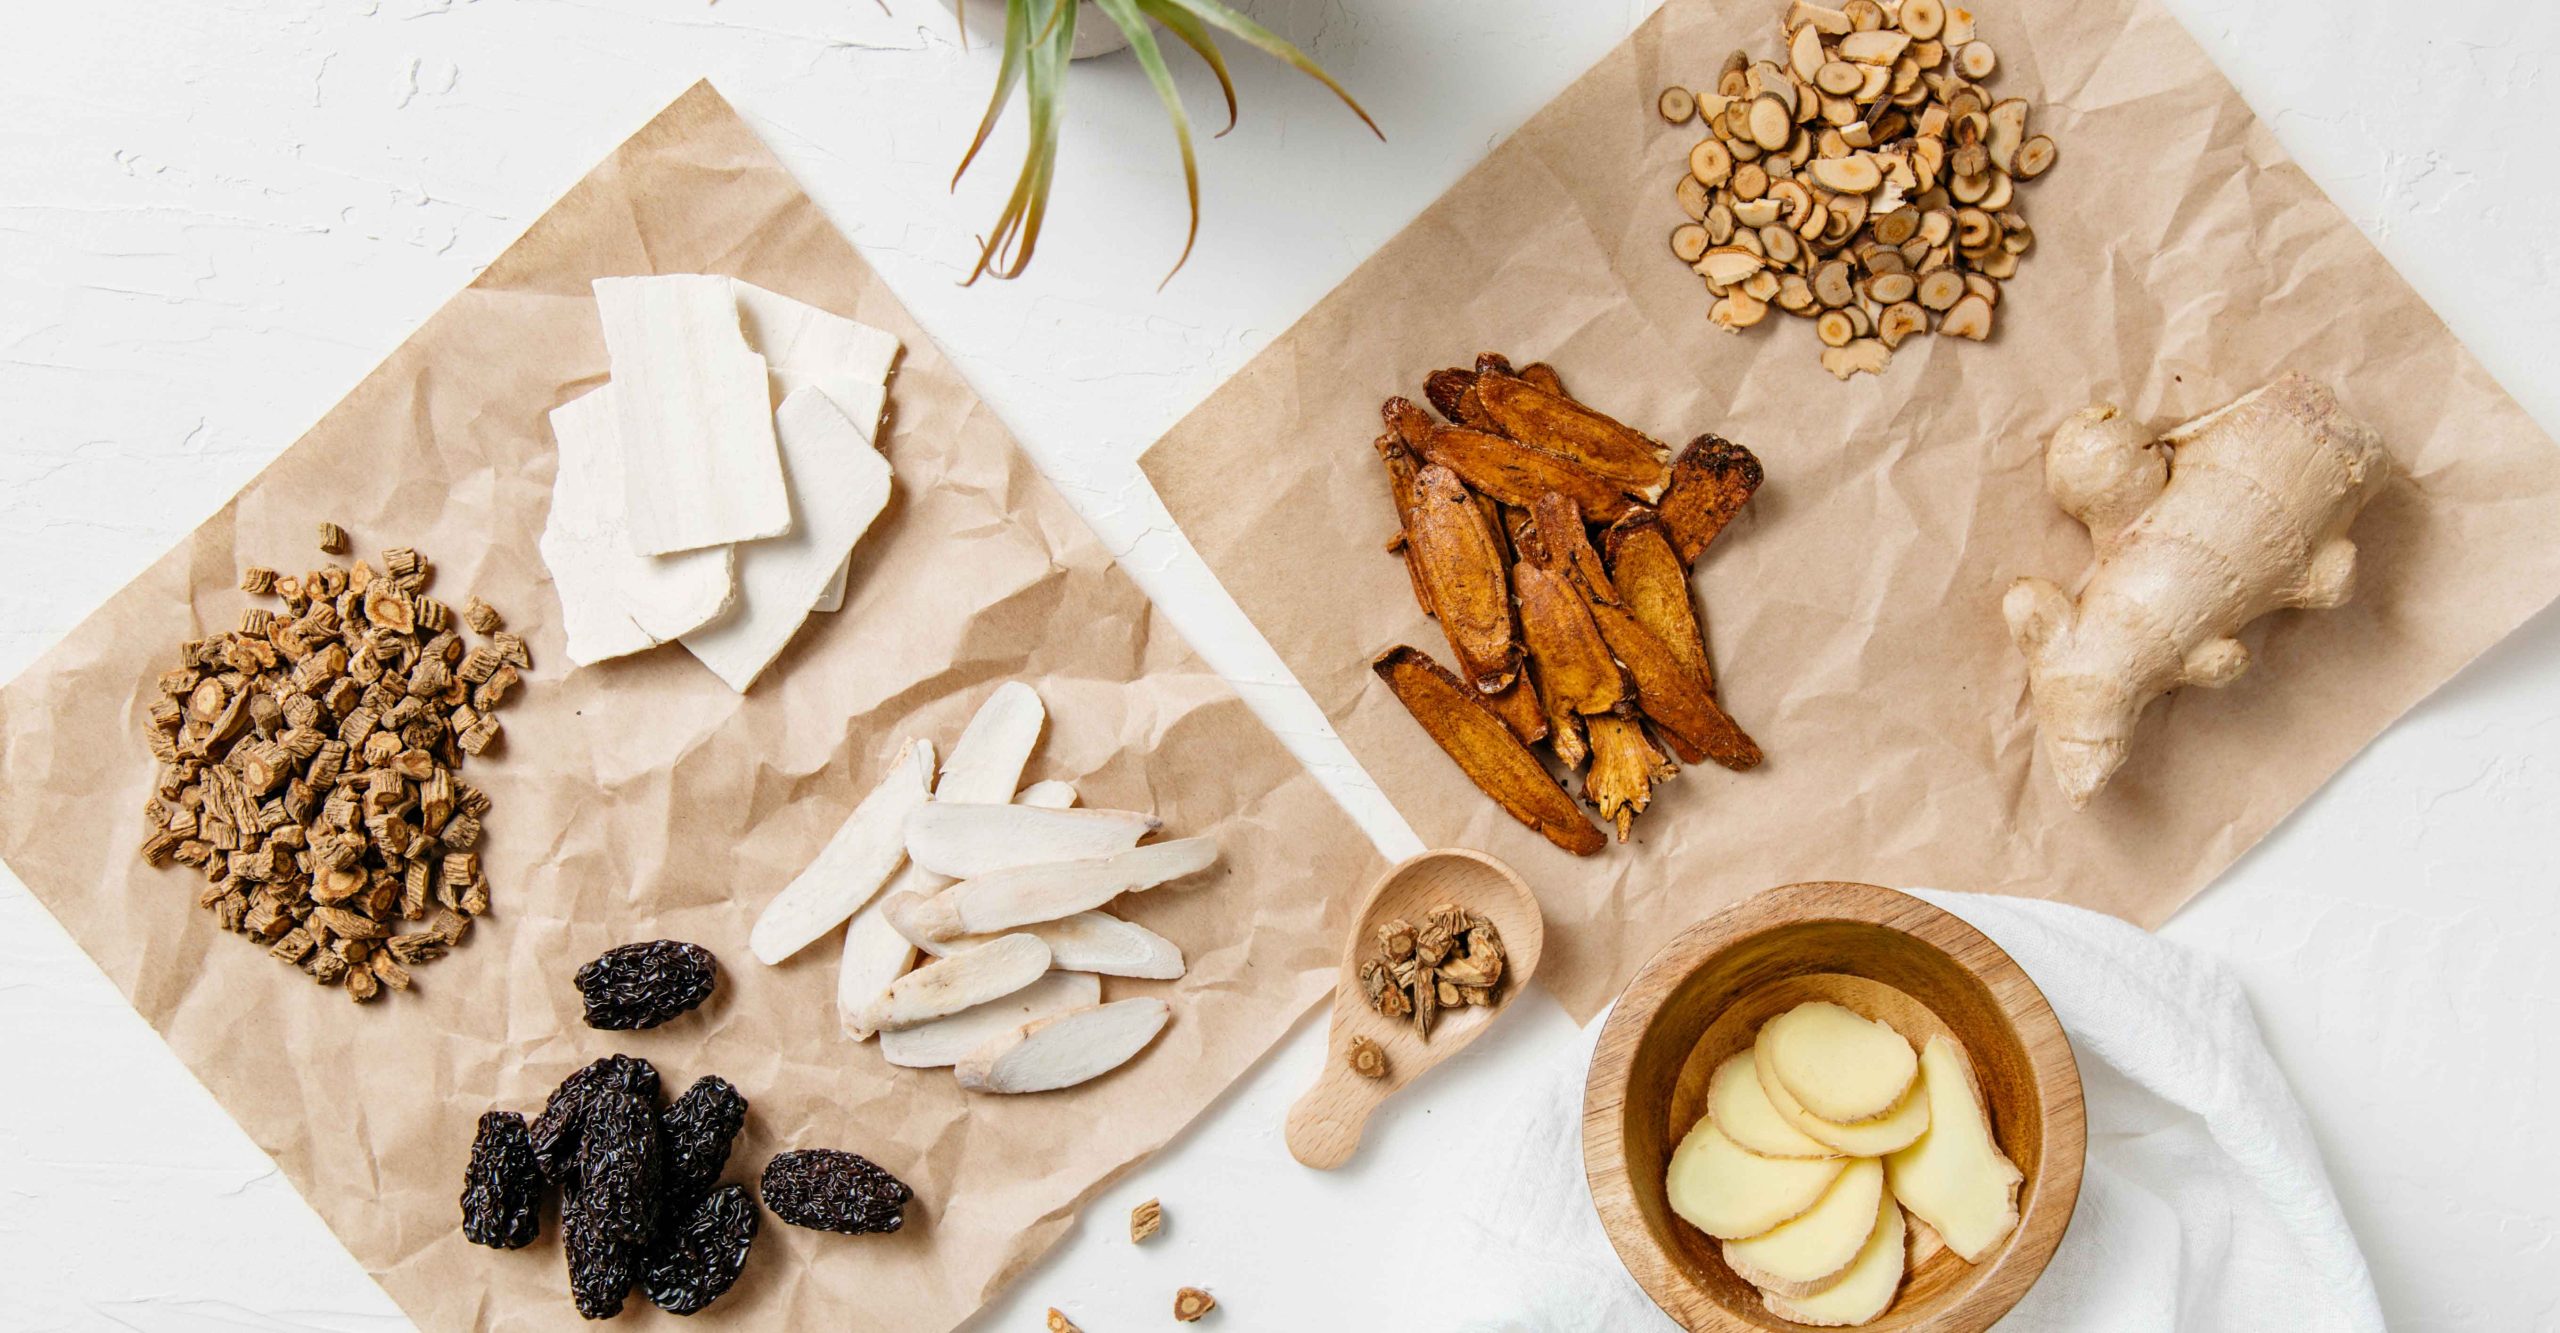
(1095, 35)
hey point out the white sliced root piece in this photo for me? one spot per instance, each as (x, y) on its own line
(850, 869)
(1806, 1255)
(1861, 356)
(1100, 943)
(1048, 794)
(946, 986)
(694, 413)
(1863, 1292)
(843, 484)
(1739, 1108)
(1024, 894)
(1731, 1193)
(946, 1041)
(614, 601)
(1894, 1130)
(986, 762)
(1065, 1050)
(1955, 1177)
(1839, 1065)
(875, 956)
(965, 841)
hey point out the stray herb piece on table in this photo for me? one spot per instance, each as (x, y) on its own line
(1190, 1303)
(1145, 1220)
(1059, 1323)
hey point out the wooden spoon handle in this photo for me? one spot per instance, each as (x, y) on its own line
(1325, 1125)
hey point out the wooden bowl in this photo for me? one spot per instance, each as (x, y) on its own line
(1888, 956)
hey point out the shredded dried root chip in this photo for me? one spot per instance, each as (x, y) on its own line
(1485, 749)
(1710, 483)
(1559, 425)
(1695, 725)
(1625, 768)
(1145, 1220)
(1367, 1058)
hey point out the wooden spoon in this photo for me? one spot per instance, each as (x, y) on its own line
(1325, 1125)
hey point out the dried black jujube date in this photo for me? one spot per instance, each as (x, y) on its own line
(643, 985)
(603, 1266)
(698, 1256)
(501, 1192)
(615, 1174)
(834, 1191)
(555, 1131)
(694, 1136)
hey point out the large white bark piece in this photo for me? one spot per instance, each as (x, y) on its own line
(696, 419)
(1066, 1050)
(843, 484)
(803, 345)
(965, 841)
(875, 956)
(850, 869)
(613, 600)
(945, 1041)
(1025, 894)
(1086, 942)
(964, 981)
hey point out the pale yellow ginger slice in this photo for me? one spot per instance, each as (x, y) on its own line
(1731, 1193)
(1865, 1291)
(1807, 1255)
(1840, 1066)
(1739, 1108)
(1891, 1132)
(1956, 1178)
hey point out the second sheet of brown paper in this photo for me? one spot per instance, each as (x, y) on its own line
(1853, 611)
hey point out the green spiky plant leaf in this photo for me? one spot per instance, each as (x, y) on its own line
(1039, 42)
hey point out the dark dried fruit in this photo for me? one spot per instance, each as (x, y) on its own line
(694, 1136)
(643, 985)
(602, 1265)
(501, 1192)
(699, 1256)
(616, 1170)
(830, 1190)
(556, 1130)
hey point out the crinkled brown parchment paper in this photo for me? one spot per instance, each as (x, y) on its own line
(641, 798)
(1853, 610)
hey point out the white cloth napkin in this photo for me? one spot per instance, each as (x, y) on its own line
(2204, 1206)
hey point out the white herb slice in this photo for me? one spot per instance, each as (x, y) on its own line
(613, 600)
(695, 416)
(946, 1041)
(843, 484)
(850, 869)
(1048, 794)
(968, 840)
(964, 981)
(987, 761)
(1025, 894)
(1086, 942)
(1066, 1050)
(804, 345)
(875, 956)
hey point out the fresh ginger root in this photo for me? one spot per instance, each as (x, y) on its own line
(2238, 513)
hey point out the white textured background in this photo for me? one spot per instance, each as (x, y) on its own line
(215, 215)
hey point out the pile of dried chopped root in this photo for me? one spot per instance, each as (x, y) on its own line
(307, 767)
(1588, 647)
(1867, 183)
(1453, 960)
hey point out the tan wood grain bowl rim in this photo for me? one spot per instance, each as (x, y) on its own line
(2046, 1208)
